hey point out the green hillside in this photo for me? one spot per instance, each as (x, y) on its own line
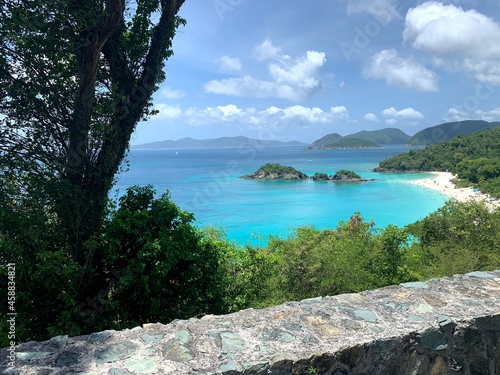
(449, 130)
(351, 143)
(323, 141)
(387, 136)
(474, 158)
(277, 168)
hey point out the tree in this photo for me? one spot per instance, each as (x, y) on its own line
(75, 79)
(158, 265)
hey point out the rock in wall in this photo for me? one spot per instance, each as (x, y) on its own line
(439, 327)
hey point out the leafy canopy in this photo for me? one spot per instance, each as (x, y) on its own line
(75, 79)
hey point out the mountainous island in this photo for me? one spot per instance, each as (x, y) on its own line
(449, 130)
(347, 143)
(276, 171)
(387, 136)
(323, 141)
(222, 142)
(362, 139)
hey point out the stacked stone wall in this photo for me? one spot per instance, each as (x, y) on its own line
(439, 327)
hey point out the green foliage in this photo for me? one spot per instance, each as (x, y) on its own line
(346, 259)
(383, 136)
(477, 170)
(391, 251)
(457, 238)
(474, 157)
(46, 277)
(246, 271)
(320, 176)
(149, 264)
(447, 131)
(327, 139)
(346, 173)
(491, 186)
(74, 82)
(157, 266)
(351, 143)
(277, 168)
(446, 155)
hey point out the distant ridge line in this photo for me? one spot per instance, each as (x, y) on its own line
(221, 142)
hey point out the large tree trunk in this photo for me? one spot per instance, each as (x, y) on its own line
(88, 180)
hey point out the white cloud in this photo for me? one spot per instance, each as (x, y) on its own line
(291, 79)
(493, 115)
(241, 87)
(166, 111)
(312, 115)
(371, 117)
(267, 51)
(169, 93)
(231, 114)
(455, 114)
(399, 71)
(229, 64)
(457, 39)
(383, 10)
(302, 73)
(230, 110)
(407, 115)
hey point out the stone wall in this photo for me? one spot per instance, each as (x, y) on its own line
(443, 326)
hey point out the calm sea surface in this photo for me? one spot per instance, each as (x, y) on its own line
(205, 182)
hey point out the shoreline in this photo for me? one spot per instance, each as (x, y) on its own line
(441, 182)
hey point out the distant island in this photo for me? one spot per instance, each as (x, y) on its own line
(323, 141)
(350, 143)
(222, 142)
(387, 136)
(449, 130)
(362, 139)
(277, 171)
(340, 176)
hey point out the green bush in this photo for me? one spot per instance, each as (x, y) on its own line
(46, 278)
(457, 238)
(156, 265)
(351, 258)
(278, 168)
(148, 264)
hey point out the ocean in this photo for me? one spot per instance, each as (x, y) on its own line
(206, 183)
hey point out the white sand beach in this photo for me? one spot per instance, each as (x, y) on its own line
(441, 181)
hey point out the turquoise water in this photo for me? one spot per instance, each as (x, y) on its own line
(205, 182)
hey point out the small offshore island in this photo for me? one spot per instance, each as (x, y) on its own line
(330, 142)
(277, 171)
(349, 143)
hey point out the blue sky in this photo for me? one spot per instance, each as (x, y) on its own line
(300, 69)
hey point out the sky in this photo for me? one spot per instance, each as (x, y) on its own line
(300, 69)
